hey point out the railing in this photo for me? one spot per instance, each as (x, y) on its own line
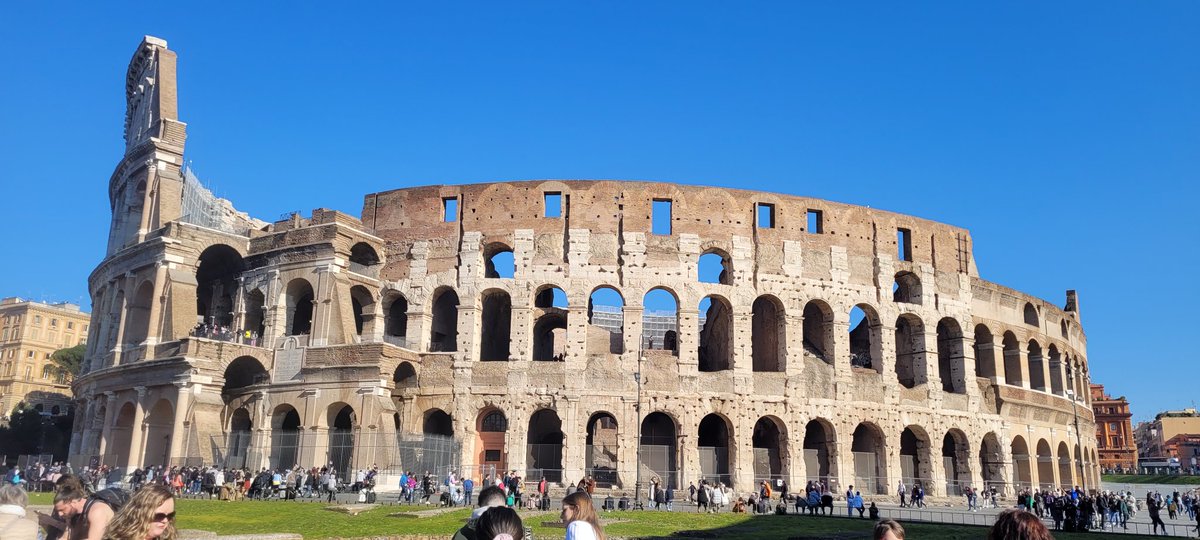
(226, 335)
(371, 271)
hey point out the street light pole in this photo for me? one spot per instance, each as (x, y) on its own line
(637, 484)
(1078, 437)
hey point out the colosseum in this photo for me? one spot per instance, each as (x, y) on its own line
(623, 330)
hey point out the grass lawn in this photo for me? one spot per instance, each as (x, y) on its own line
(1150, 479)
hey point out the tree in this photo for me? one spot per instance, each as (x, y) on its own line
(31, 432)
(69, 361)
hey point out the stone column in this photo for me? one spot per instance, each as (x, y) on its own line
(688, 341)
(154, 335)
(1022, 354)
(793, 356)
(124, 307)
(576, 346)
(631, 324)
(574, 441)
(137, 442)
(322, 325)
(106, 429)
(932, 375)
(183, 394)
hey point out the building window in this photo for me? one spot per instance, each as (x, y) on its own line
(46, 372)
(449, 209)
(816, 221)
(37, 319)
(28, 372)
(70, 325)
(553, 203)
(491, 455)
(53, 323)
(29, 354)
(904, 244)
(660, 217)
(766, 216)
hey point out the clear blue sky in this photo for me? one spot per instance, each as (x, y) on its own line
(1064, 135)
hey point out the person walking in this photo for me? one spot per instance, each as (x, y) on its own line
(901, 492)
(1155, 508)
(331, 485)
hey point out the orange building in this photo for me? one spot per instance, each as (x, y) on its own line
(1114, 431)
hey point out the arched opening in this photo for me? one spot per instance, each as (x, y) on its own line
(1056, 371)
(242, 373)
(820, 450)
(768, 330)
(906, 288)
(951, 359)
(255, 316)
(602, 444)
(495, 336)
(545, 446)
(362, 306)
(160, 422)
(405, 377)
(549, 296)
(1012, 361)
(915, 463)
(499, 261)
(238, 445)
(299, 307)
(769, 441)
(395, 325)
(714, 267)
(491, 430)
(443, 333)
(606, 321)
(818, 331)
(341, 438)
(550, 325)
(1063, 328)
(713, 440)
(866, 338)
(660, 316)
(137, 324)
(870, 459)
(285, 437)
(956, 459)
(216, 283)
(910, 351)
(1022, 464)
(657, 451)
(1066, 473)
(985, 352)
(1037, 375)
(120, 435)
(991, 462)
(1031, 314)
(362, 258)
(1045, 462)
(437, 422)
(715, 350)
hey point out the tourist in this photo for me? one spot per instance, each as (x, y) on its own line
(86, 516)
(888, 529)
(1013, 524)
(702, 497)
(579, 515)
(499, 523)
(489, 497)
(901, 492)
(13, 523)
(1155, 508)
(874, 511)
(149, 514)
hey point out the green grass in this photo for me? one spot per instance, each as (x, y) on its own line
(1150, 479)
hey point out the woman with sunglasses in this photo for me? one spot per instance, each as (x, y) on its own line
(149, 514)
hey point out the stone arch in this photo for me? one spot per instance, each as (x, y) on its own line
(1066, 473)
(658, 325)
(714, 438)
(951, 355)
(869, 447)
(1056, 371)
(906, 288)
(362, 255)
(771, 456)
(1045, 462)
(551, 296)
(991, 461)
(866, 338)
(405, 377)
(437, 422)
(715, 348)
(1037, 377)
(491, 428)
(160, 423)
(395, 318)
(910, 351)
(238, 440)
(985, 352)
(1022, 463)
(768, 334)
(1064, 328)
(602, 448)
(1012, 360)
(217, 270)
(300, 303)
(498, 261)
(137, 325)
(341, 421)
(916, 457)
(606, 321)
(658, 450)
(1030, 314)
(545, 440)
(818, 330)
(121, 434)
(362, 307)
(820, 451)
(286, 428)
(255, 312)
(550, 336)
(242, 373)
(956, 461)
(443, 330)
(715, 266)
(496, 326)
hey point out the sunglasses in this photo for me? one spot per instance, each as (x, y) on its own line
(164, 517)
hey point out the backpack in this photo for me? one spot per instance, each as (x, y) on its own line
(115, 498)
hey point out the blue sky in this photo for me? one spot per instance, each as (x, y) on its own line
(1064, 135)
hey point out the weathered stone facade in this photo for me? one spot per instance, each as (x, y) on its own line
(400, 326)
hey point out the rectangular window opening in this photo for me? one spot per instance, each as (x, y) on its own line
(816, 221)
(766, 216)
(449, 209)
(904, 244)
(553, 204)
(660, 217)
(492, 455)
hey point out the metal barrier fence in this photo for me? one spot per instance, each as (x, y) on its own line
(986, 520)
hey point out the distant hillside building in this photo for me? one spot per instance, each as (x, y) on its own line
(1153, 437)
(1114, 431)
(29, 333)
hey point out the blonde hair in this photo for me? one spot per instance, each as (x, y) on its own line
(584, 511)
(133, 521)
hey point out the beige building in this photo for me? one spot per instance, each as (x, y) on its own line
(29, 333)
(563, 329)
(1167, 425)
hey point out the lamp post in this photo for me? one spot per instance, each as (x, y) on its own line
(637, 484)
(1078, 438)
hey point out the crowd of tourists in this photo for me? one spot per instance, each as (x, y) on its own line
(225, 333)
(1076, 510)
(81, 514)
